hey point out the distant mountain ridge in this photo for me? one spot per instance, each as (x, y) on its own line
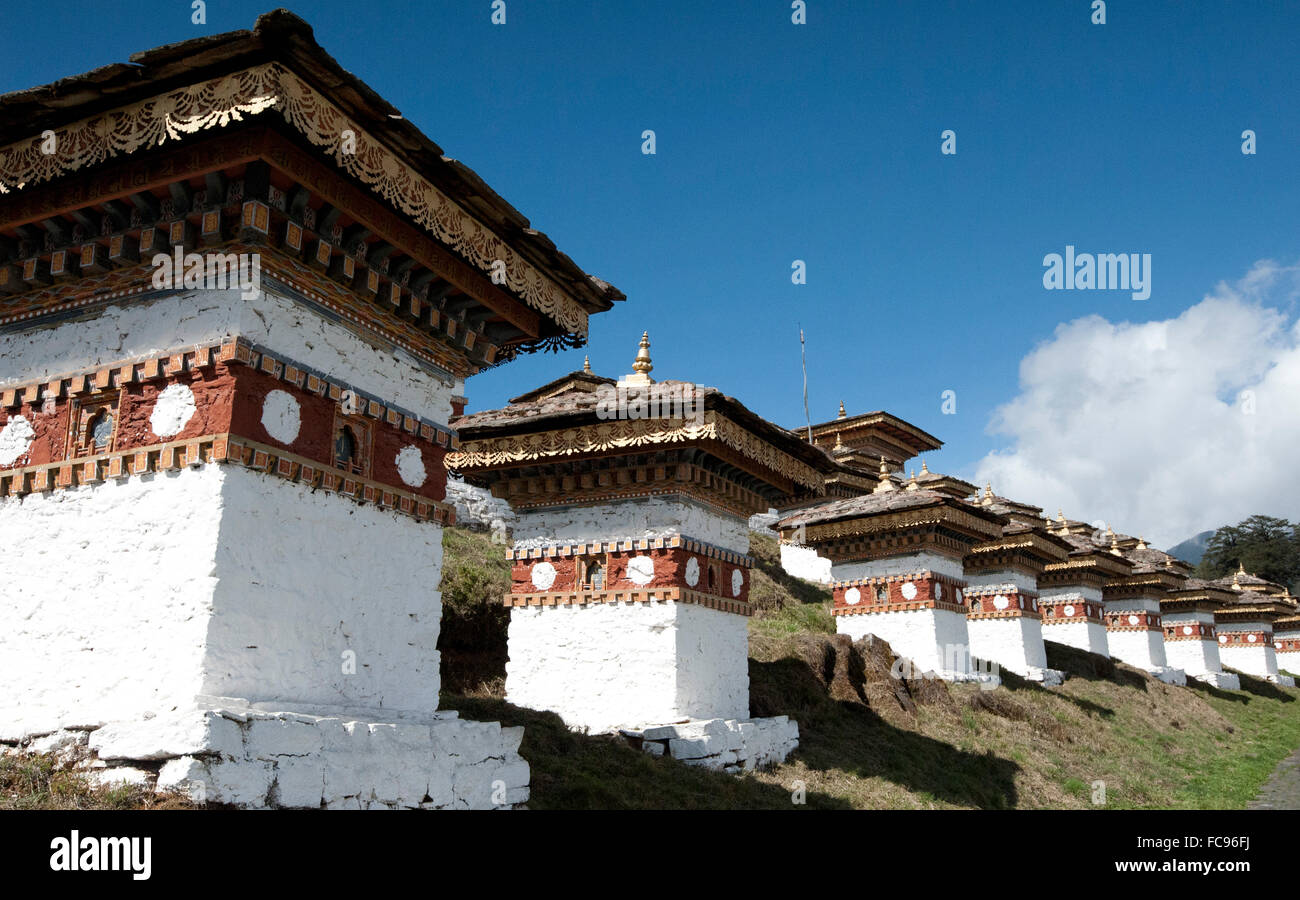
(1192, 549)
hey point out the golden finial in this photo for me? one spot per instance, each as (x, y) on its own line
(912, 485)
(843, 414)
(1060, 515)
(886, 479)
(642, 366)
(1142, 543)
(925, 470)
(988, 494)
(1114, 543)
(586, 364)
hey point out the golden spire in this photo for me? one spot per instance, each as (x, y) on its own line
(1114, 542)
(925, 470)
(843, 414)
(839, 441)
(886, 479)
(642, 366)
(1142, 543)
(912, 485)
(988, 494)
(586, 364)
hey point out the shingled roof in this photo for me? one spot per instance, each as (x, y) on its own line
(281, 36)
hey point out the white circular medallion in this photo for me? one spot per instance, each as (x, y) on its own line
(1132, 619)
(853, 596)
(410, 466)
(1000, 602)
(1069, 611)
(692, 571)
(1252, 638)
(909, 591)
(1187, 629)
(640, 570)
(938, 591)
(737, 582)
(172, 410)
(1223, 639)
(281, 417)
(958, 595)
(543, 576)
(15, 439)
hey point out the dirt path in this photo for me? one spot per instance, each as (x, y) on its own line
(1282, 790)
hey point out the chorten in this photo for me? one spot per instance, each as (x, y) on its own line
(240, 295)
(630, 596)
(897, 568)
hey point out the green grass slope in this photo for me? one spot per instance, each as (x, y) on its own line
(1109, 737)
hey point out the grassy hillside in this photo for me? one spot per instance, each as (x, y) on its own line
(870, 741)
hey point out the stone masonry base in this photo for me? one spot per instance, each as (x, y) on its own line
(727, 745)
(256, 759)
(1225, 680)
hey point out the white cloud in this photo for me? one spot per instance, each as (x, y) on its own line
(1146, 426)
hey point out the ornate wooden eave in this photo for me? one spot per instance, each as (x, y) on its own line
(1029, 551)
(183, 143)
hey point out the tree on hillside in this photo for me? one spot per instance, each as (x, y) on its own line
(1266, 546)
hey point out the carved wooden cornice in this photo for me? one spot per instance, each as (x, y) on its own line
(243, 96)
(613, 437)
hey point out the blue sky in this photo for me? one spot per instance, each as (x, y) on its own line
(821, 142)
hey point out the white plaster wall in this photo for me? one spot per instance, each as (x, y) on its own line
(1015, 644)
(136, 596)
(1086, 636)
(606, 666)
(141, 329)
(1258, 661)
(1026, 583)
(935, 640)
(1194, 657)
(898, 565)
(626, 519)
(106, 599)
(1144, 649)
(304, 576)
(803, 562)
(1290, 661)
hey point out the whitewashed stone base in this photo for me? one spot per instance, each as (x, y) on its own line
(1258, 661)
(1196, 658)
(1289, 661)
(935, 641)
(1015, 644)
(1227, 681)
(726, 745)
(1087, 636)
(1143, 649)
(258, 759)
(1286, 680)
(803, 562)
(607, 666)
(1169, 675)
